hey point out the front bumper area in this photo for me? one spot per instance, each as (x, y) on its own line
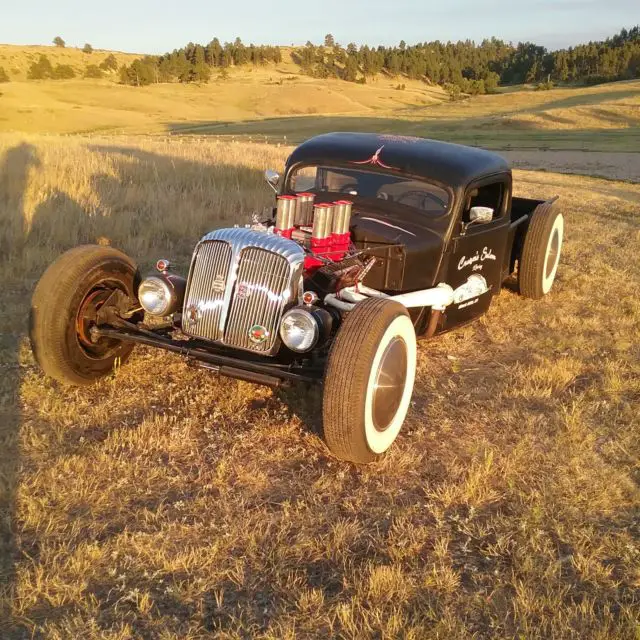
(226, 363)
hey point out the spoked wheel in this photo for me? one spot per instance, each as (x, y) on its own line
(65, 308)
(369, 380)
(541, 252)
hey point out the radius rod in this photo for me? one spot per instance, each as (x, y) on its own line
(223, 364)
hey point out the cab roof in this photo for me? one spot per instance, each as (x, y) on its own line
(451, 164)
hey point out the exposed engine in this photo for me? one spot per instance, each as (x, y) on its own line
(321, 228)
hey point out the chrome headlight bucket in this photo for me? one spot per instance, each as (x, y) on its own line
(161, 295)
(299, 330)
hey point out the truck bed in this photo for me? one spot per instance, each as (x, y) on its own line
(523, 206)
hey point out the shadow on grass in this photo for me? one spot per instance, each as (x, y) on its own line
(14, 175)
(29, 242)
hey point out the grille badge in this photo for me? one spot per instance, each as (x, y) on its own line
(243, 290)
(258, 334)
(192, 313)
(218, 283)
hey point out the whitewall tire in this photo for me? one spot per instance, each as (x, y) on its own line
(552, 254)
(538, 264)
(390, 387)
(369, 380)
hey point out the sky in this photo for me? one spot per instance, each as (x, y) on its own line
(145, 26)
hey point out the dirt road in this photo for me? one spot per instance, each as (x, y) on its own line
(620, 166)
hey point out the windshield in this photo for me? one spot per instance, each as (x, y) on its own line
(417, 194)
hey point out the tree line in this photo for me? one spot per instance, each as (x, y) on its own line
(196, 62)
(460, 67)
(42, 69)
(477, 68)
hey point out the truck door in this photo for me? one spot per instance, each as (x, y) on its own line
(478, 249)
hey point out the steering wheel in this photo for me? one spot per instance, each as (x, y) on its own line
(351, 186)
(422, 194)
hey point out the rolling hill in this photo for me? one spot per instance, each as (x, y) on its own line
(277, 101)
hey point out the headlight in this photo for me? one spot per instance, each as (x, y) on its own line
(299, 330)
(156, 296)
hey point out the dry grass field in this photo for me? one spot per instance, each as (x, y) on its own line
(601, 118)
(167, 503)
(89, 106)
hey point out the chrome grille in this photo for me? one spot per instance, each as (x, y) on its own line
(241, 279)
(261, 292)
(204, 302)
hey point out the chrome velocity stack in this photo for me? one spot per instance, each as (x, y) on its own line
(285, 215)
(305, 209)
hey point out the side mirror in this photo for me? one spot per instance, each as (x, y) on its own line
(273, 179)
(481, 214)
(478, 215)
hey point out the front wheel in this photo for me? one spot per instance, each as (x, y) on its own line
(369, 380)
(64, 309)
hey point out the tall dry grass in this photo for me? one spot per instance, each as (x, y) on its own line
(167, 503)
(144, 196)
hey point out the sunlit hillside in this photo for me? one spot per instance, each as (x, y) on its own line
(278, 102)
(604, 117)
(83, 105)
(16, 59)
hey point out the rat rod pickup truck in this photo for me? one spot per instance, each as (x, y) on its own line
(375, 240)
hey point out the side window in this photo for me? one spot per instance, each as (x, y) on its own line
(304, 179)
(489, 195)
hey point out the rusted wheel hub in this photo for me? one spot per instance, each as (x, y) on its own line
(88, 315)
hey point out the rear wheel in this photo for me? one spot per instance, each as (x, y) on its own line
(64, 309)
(541, 252)
(369, 380)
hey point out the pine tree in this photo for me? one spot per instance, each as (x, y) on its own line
(201, 71)
(63, 72)
(59, 42)
(40, 70)
(213, 53)
(183, 67)
(109, 63)
(351, 69)
(93, 71)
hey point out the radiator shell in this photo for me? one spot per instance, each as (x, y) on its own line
(239, 279)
